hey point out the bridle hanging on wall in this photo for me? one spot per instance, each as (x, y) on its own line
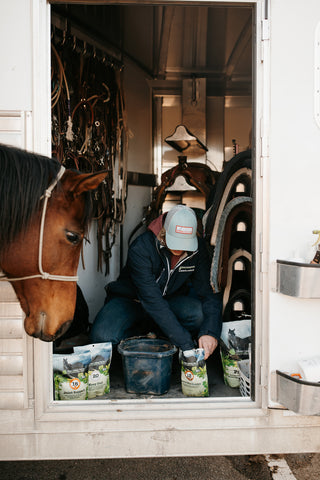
(89, 130)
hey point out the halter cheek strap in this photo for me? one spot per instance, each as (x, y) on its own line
(42, 274)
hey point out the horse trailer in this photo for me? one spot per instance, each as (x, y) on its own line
(243, 78)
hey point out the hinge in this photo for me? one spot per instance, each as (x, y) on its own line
(259, 366)
(261, 371)
(261, 255)
(261, 242)
(265, 35)
(264, 138)
(261, 166)
(265, 30)
(260, 281)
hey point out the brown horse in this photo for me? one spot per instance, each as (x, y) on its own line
(44, 216)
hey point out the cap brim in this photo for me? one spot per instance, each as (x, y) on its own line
(185, 244)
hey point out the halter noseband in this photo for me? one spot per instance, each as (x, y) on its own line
(42, 274)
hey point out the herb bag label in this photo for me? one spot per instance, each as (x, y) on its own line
(194, 377)
(70, 388)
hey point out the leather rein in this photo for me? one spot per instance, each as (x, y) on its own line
(42, 274)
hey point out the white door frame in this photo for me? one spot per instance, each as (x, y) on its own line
(46, 409)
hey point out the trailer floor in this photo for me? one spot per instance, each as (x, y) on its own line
(217, 387)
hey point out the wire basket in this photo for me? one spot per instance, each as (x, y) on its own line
(244, 371)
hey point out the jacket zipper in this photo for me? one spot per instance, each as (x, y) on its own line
(170, 272)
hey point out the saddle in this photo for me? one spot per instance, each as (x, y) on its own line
(196, 174)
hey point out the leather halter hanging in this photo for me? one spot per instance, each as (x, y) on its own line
(42, 274)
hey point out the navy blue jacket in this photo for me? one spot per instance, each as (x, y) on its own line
(147, 277)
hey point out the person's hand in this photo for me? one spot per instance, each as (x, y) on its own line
(209, 344)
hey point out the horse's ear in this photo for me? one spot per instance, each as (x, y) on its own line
(87, 181)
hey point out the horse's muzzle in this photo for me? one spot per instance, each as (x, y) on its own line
(40, 331)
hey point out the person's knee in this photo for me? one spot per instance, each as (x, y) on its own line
(97, 333)
(197, 318)
(96, 336)
(115, 320)
(188, 311)
(99, 329)
(100, 334)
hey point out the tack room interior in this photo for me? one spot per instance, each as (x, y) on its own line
(158, 95)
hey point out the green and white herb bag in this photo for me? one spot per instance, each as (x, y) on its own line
(70, 376)
(98, 369)
(194, 377)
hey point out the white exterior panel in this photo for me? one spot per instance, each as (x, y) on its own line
(294, 174)
(16, 55)
(13, 352)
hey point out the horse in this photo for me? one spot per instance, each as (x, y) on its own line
(44, 217)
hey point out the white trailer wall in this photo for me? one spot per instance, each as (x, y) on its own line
(294, 174)
(16, 102)
(16, 55)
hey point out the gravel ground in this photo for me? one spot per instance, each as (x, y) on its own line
(246, 467)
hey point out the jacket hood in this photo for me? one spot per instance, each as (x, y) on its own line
(157, 224)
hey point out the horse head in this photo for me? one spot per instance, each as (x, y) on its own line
(49, 303)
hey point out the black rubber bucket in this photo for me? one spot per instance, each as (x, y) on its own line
(147, 365)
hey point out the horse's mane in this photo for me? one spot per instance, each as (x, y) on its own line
(24, 177)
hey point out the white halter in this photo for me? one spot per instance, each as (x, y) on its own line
(42, 274)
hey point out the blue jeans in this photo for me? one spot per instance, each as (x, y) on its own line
(122, 317)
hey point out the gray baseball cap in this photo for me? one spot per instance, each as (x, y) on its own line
(181, 229)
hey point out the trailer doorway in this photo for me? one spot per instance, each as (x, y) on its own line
(167, 53)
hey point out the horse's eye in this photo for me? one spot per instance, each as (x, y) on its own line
(73, 237)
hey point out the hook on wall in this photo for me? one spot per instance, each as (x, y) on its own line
(194, 94)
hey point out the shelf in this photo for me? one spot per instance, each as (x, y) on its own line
(300, 280)
(298, 395)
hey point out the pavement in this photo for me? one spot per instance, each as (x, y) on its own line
(245, 467)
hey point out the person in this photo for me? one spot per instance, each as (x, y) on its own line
(164, 285)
